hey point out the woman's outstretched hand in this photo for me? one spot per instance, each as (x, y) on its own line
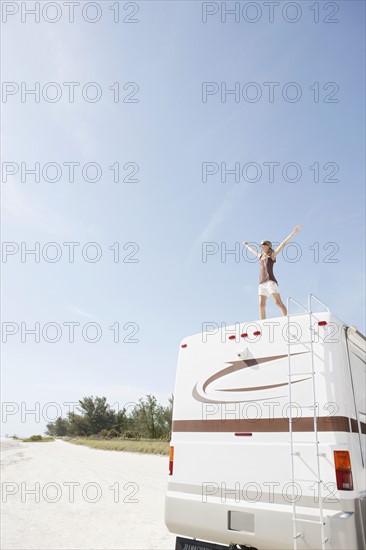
(297, 229)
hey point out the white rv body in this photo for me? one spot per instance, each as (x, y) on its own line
(239, 476)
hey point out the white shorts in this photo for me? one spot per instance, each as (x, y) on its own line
(268, 288)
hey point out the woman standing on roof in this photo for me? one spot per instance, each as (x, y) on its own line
(268, 285)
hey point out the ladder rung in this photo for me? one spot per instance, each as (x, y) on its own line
(297, 453)
(309, 521)
(303, 442)
(298, 343)
(313, 418)
(301, 373)
(307, 480)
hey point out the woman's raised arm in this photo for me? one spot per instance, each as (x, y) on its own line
(283, 244)
(245, 243)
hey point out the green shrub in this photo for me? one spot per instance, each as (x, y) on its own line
(132, 435)
(33, 438)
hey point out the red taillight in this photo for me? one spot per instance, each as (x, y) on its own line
(322, 323)
(171, 460)
(257, 333)
(343, 469)
(184, 345)
(244, 335)
(232, 337)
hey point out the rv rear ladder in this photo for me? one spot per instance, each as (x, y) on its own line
(311, 373)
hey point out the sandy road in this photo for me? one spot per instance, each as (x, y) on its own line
(82, 498)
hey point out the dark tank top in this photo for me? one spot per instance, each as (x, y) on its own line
(266, 270)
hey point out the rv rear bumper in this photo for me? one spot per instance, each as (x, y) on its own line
(259, 525)
(193, 544)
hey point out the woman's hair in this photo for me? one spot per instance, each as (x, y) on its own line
(269, 253)
(270, 250)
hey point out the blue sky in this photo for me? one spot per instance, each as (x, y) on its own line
(171, 212)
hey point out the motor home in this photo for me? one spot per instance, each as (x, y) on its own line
(268, 436)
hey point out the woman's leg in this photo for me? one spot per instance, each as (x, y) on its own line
(279, 303)
(262, 306)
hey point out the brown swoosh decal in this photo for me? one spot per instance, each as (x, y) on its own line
(243, 364)
(257, 388)
(236, 366)
(198, 397)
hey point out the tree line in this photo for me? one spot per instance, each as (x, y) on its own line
(95, 417)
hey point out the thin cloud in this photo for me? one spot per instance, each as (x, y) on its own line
(219, 216)
(83, 313)
(28, 211)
